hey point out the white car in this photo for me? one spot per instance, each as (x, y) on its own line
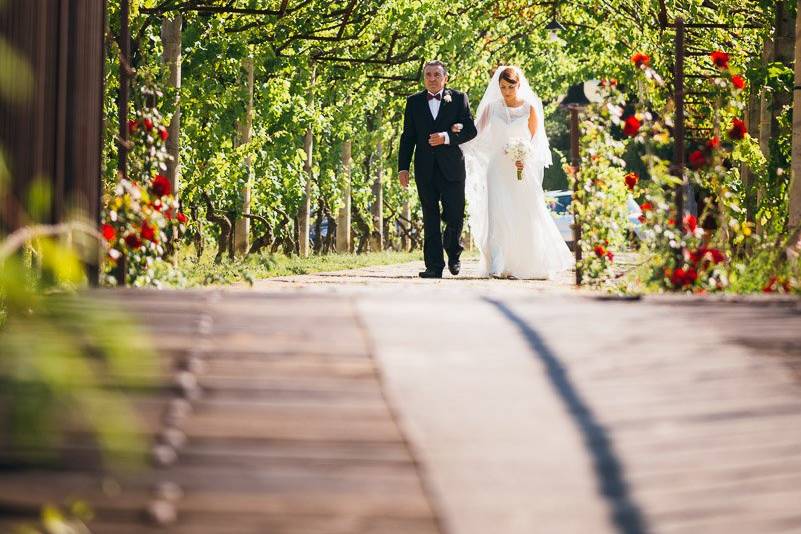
(559, 205)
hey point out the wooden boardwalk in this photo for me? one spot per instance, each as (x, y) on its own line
(373, 402)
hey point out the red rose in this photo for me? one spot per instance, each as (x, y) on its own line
(632, 126)
(645, 207)
(738, 130)
(631, 180)
(697, 255)
(738, 81)
(717, 255)
(697, 160)
(148, 232)
(108, 232)
(713, 143)
(148, 124)
(163, 133)
(182, 218)
(639, 59)
(677, 278)
(161, 185)
(610, 256)
(132, 126)
(690, 223)
(600, 251)
(671, 222)
(690, 276)
(720, 59)
(133, 241)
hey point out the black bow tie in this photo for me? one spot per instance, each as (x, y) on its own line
(438, 96)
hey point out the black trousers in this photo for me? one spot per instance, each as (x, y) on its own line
(433, 190)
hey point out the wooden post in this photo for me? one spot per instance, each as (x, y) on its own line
(378, 189)
(575, 162)
(124, 92)
(406, 243)
(242, 225)
(794, 222)
(678, 129)
(305, 209)
(343, 217)
(171, 39)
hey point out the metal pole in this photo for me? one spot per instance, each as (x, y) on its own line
(124, 94)
(678, 130)
(575, 162)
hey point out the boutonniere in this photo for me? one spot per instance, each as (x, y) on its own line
(446, 97)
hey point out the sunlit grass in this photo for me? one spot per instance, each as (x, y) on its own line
(203, 271)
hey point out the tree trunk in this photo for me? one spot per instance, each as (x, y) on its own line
(377, 241)
(407, 216)
(305, 209)
(171, 40)
(244, 135)
(343, 217)
(794, 222)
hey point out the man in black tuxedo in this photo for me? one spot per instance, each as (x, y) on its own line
(438, 164)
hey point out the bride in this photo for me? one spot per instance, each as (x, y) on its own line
(511, 226)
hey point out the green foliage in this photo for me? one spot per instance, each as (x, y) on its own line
(62, 356)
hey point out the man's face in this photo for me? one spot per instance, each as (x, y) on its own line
(435, 78)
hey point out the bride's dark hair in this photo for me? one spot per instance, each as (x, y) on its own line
(509, 74)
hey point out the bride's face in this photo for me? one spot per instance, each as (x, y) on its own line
(509, 90)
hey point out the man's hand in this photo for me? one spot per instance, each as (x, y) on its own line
(436, 139)
(403, 177)
(456, 128)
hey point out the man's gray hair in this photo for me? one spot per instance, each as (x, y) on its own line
(436, 63)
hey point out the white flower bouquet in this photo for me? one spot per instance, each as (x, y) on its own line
(518, 150)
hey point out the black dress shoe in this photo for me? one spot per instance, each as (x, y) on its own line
(430, 273)
(454, 267)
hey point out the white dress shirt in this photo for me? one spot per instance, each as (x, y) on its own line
(434, 105)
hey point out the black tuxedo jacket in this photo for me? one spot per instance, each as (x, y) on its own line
(419, 124)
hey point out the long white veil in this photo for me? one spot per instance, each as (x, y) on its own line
(479, 151)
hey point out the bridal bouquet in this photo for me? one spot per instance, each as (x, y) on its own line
(518, 150)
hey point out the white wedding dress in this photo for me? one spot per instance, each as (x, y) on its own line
(508, 218)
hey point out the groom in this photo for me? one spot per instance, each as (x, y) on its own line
(438, 164)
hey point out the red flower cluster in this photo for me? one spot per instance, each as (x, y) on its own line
(690, 223)
(602, 252)
(611, 82)
(148, 124)
(701, 157)
(639, 59)
(775, 283)
(697, 159)
(132, 126)
(182, 218)
(631, 180)
(161, 185)
(738, 81)
(738, 130)
(682, 277)
(720, 59)
(632, 126)
(133, 241)
(644, 208)
(163, 133)
(148, 232)
(706, 256)
(108, 231)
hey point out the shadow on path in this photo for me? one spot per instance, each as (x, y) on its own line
(609, 471)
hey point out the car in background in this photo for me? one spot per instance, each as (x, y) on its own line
(558, 203)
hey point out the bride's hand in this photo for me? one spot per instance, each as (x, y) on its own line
(456, 128)
(519, 165)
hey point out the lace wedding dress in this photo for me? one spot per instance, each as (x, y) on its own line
(508, 218)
